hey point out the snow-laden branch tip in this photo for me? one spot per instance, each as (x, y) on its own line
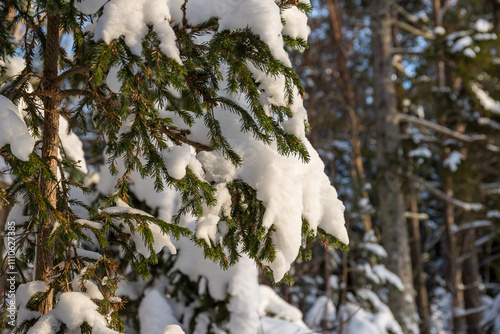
(439, 193)
(14, 131)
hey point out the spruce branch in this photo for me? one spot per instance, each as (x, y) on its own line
(72, 71)
(61, 94)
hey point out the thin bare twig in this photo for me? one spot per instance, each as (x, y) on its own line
(182, 138)
(75, 70)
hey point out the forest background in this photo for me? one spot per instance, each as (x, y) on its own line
(433, 67)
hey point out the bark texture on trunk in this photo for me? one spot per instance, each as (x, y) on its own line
(50, 142)
(389, 188)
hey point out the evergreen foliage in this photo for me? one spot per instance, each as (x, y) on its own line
(128, 127)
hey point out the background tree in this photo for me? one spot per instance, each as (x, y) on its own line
(429, 145)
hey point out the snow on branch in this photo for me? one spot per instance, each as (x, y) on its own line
(460, 312)
(473, 225)
(491, 188)
(485, 99)
(14, 131)
(409, 16)
(447, 5)
(411, 29)
(416, 215)
(440, 128)
(439, 193)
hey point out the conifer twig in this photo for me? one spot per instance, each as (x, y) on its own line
(75, 70)
(288, 3)
(179, 137)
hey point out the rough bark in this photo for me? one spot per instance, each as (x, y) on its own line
(48, 187)
(389, 187)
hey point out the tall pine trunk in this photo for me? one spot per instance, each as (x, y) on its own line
(471, 282)
(417, 264)
(451, 258)
(357, 169)
(471, 277)
(50, 142)
(389, 188)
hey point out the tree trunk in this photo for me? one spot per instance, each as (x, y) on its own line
(4, 213)
(470, 278)
(451, 258)
(391, 203)
(417, 266)
(48, 187)
(438, 22)
(357, 169)
(496, 15)
(453, 272)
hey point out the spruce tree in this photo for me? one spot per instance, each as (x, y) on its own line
(195, 98)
